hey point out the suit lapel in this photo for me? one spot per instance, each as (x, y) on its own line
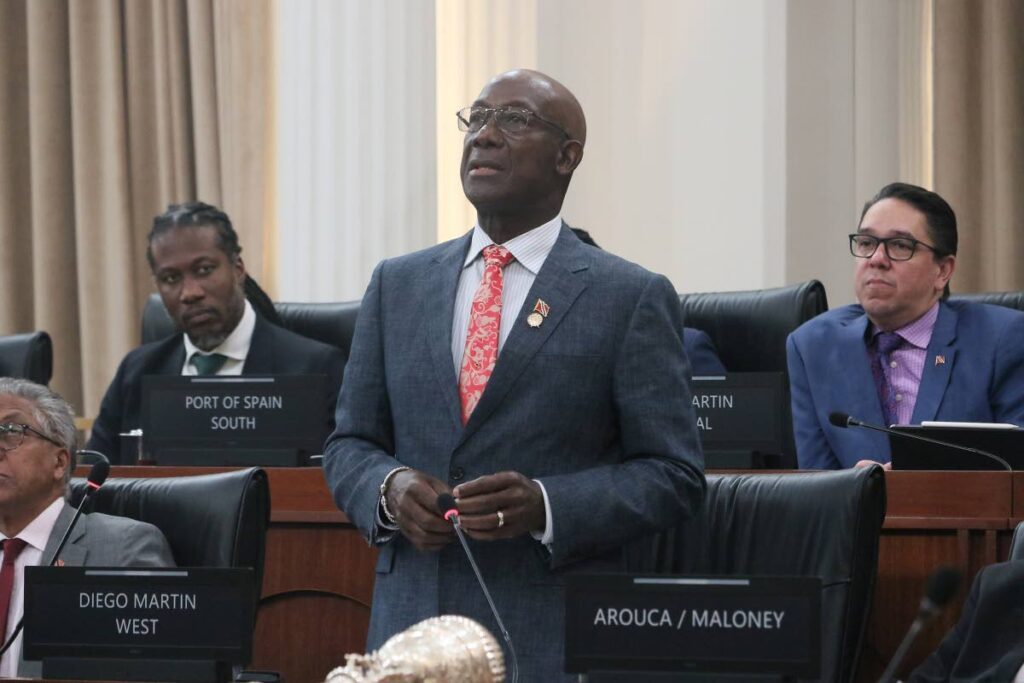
(260, 359)
(855, 378)
(559, 283)
(73, 554)
(938, 366)
(438, 304)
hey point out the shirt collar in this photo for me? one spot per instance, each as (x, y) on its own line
(529, 249)
(236, 346)
(38, 531)
(917, 332)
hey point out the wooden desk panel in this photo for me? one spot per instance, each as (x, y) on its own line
(961, 519)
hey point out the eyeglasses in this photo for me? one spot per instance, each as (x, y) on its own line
(509, 119)
(896, 248)
(12, 435)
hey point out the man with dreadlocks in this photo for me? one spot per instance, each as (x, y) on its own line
(227, 324)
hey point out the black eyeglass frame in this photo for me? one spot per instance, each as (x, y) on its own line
(462, 116)
(5, 429)
(884, 242)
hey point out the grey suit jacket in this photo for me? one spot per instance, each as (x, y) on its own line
(100, 540)
(595, 404)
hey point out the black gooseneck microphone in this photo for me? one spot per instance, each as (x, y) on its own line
(98, 475)
(843, 420)
(446, 504)
(939, 589)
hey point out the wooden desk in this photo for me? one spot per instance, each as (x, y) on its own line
(318, 578)
(962, 519)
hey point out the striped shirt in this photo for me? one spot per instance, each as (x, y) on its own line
(906, 363)
(530, 250)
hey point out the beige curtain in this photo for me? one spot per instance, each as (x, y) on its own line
(979, 136)
(109, 111)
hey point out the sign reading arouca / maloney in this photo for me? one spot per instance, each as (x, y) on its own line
(765, 625)
(128, 613)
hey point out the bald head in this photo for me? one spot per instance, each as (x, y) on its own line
(552, 100)
(516, 167)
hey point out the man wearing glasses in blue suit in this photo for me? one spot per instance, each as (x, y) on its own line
(904, 354)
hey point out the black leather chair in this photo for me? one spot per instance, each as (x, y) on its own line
(210, 520)
(1007, 299)
(824, 524)
(330, 323)
(749, 328)
(28, 356)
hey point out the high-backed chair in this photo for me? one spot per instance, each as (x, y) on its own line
(824, 524)
(28, 356)
(1007, 299)
(750, 328)
(210, 520)
(330, 323)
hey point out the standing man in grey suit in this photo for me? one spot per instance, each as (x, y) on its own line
(541, 381)
(37, 455)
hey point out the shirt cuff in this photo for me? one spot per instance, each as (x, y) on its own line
(547, 537)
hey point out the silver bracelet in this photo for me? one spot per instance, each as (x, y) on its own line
(383, 494)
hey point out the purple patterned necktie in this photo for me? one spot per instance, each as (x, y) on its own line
(885, 344)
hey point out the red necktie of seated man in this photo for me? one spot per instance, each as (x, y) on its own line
(484, 326)
(12, 548)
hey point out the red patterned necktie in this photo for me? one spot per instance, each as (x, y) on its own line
(12, 548)
(484, 325)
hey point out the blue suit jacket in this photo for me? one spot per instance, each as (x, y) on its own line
(701, 352)
(595, 403)
(973, 371)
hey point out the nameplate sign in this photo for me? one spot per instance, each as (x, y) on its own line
(90, 613)
(259, 413)
(763, 625)
(740, 411)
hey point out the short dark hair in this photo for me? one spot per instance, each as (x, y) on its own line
(195, 215)
(937, 212)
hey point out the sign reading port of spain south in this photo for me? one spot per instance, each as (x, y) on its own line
(761, 625)
(741, 410)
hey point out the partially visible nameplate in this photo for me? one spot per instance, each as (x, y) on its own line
(273, 420)
(761, 625)
(741, 418)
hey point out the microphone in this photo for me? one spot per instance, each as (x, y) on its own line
(98, 475)
(446, 504)
(939, 589)
(843, 420)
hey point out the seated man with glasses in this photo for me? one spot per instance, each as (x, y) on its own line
(903, 354)
(37, 456)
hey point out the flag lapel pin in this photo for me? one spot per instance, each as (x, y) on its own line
(540, 312)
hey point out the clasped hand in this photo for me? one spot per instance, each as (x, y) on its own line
(412, 498)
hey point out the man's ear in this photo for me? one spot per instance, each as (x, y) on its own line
(569, 157)
(946, 268)
(239, 267)
(63, 462)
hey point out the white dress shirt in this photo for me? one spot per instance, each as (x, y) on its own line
(530, 250)
(235, 347)
(36, 534)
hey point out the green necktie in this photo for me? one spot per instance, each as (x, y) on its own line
(208, 364)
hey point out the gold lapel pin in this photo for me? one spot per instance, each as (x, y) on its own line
(540, 312)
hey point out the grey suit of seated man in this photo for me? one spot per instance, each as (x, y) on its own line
(37, 447)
